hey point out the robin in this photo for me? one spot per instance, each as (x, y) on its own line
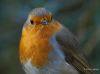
(47, 47)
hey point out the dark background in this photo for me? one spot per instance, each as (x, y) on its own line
(82, 17)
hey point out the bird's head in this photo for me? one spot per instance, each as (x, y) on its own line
(41, 24)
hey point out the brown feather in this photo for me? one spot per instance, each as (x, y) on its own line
(70, 46)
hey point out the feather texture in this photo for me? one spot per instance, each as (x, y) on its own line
(70, 46)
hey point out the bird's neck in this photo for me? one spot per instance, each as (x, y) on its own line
(34, 48)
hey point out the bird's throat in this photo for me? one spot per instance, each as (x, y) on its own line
(36, 49)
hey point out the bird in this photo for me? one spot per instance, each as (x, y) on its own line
(48, 47)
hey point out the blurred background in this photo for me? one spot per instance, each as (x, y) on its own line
(82, 17)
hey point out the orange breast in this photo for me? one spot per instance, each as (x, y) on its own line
(34, 48)
(35, 44)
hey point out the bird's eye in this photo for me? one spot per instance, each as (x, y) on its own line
(32, 22)
(44, 22)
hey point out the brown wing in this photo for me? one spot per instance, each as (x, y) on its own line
(70, 46)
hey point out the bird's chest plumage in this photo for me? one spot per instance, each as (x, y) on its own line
(46, 58)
